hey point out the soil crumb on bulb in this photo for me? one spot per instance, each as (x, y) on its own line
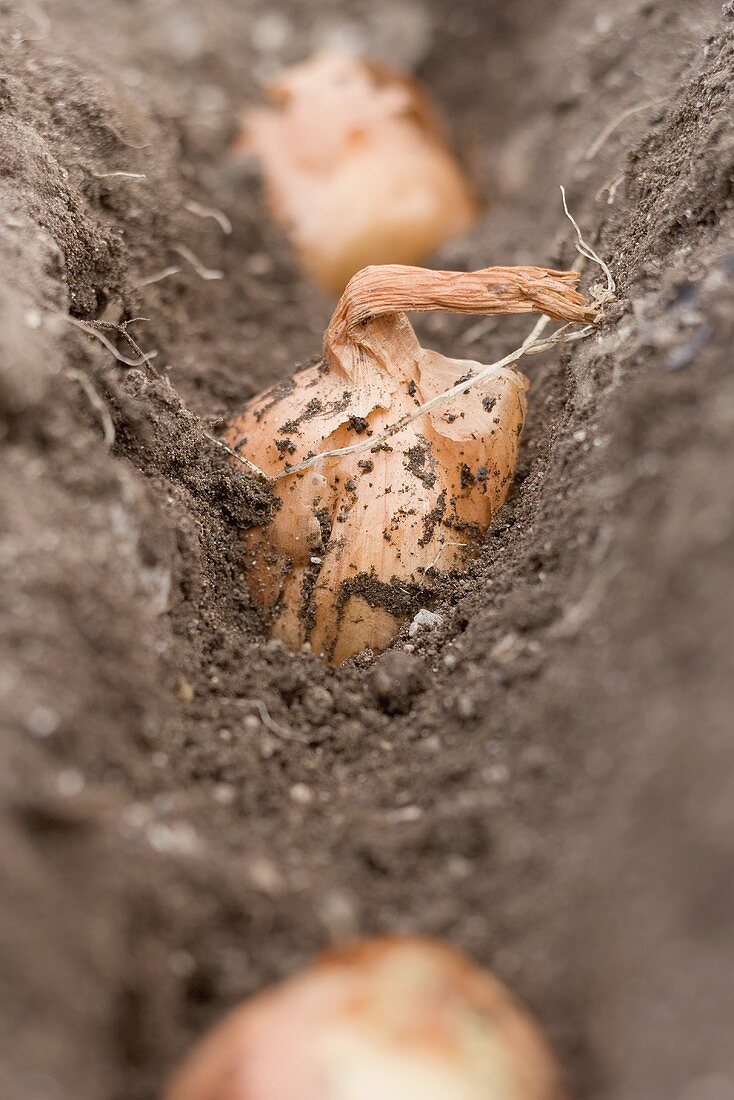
(357, 536)
(357, 167)
(393, 1018)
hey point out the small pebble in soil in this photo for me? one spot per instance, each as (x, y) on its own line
(432, 743)
(301, 794)
(396, 679)
(271, 32)
(70, 783)
(459, 867)
(340, 914)
(265, 876)
(42, 722)
(178, 838)
(404, 814)
(465, 706)
(317, 703)
(496, 773)
(507, 648)
(224, 794)
(268, 746)
(185, 690)
(424, 619)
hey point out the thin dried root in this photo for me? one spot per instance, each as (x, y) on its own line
(269, 723)
(611, 188)
(122, 330)
(159, 276)
(108, 427)
(218, 216)
(585, 249)
(208, 274)
(442, 550)
(118, 175)
(238, 457)
(125, 140)
(92, 329)
(609, 129)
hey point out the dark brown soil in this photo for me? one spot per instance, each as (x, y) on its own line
(548, 782)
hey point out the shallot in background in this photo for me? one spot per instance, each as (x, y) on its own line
(358, 167)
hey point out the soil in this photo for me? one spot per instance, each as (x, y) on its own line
(543, 777)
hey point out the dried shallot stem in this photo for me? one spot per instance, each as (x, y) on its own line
(395, 288)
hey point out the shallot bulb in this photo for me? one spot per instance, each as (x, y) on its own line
(356, 167)
(355, 536)
(394, 1018)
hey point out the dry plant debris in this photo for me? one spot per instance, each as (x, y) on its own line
(357, 167)
(388, 460)
(393, 1018)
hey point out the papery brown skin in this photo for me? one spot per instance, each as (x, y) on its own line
(355, 536)
(356, 167)
(392, 1018)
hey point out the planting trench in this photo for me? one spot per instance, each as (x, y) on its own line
(554, 798)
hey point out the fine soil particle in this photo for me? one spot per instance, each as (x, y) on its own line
(543, 777)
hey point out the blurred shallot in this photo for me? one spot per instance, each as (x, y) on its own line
(394, 1018)
(357, 167)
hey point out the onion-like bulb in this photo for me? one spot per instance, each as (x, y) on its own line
(356, 535)
(357, 168)
(394, 1018)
